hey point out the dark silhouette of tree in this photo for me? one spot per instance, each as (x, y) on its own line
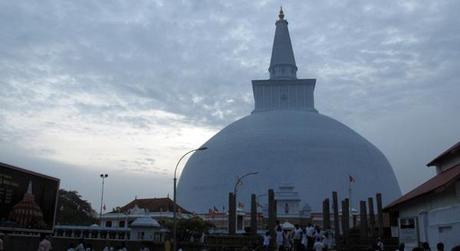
(188, 227)
(73, 210)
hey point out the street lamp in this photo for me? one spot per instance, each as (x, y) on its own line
(235, 190)
(103, 177)
(174, 194)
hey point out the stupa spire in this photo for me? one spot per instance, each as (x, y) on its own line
(282, 63)
(29, 187)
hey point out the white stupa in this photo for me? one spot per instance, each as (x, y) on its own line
(285, 140)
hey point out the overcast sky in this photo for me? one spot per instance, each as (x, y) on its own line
(126, 87)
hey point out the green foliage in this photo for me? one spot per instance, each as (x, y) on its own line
(73, 210)
(187, 227)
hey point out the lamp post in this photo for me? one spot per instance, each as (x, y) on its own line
(103, 177)
(235, 190)
(174, 195)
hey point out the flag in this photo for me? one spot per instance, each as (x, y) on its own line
(351, 179)
(240, 205)
(103, 207)
(215, 209)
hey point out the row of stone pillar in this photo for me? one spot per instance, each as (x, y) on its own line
(232, 216)
(368, 222)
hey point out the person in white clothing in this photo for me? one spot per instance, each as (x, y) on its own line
(80, 246)
(304, 240)
(107, 248)
(45, 244)
(318, 245)
(287, 240)
(297, 237)
(310, 236)
(266, 242)
(279, 238)
(380, 243)
(71, 247)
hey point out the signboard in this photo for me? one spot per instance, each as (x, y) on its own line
(27, 200)
(408, 231)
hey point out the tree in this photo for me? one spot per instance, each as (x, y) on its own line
(73, 210)
(187, 227)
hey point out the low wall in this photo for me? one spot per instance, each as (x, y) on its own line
(218, 243)
(30, 243)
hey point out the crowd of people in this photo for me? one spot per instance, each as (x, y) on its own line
(309, 238)
(45, 245)
(425, 246)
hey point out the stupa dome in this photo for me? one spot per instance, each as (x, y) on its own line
(285, 140)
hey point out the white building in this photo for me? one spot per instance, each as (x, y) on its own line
(286, 140)
(140, 219)
(431, 212)
(155, 208)
(289, 206)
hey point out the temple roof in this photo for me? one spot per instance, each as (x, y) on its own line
(455, 149)
(153, 205)
(433, 185)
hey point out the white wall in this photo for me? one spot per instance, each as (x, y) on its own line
(444, 226)
(438, 218)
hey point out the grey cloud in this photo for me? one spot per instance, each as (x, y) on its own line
(374, 61)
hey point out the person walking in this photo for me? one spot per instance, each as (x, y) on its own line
(380, 244)
(2, 235)
(123, 247)
(81, 246)
(426, 246)
(70, 247)
(304, 240)
(286, 240)
(45, 244)
(440, 246)
(279, 238)
(167, 245)
(266, 242)
(310, 236)
(318, 245)
(401, 247)
(297, 238)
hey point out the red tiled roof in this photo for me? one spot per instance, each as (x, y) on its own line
(154, 205)
(446, 153)
(439, 181)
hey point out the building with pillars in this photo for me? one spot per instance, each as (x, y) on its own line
(286, 140)
(431, 212)
(140, 219)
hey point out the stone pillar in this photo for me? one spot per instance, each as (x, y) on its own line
(271, 210)
(379, 215)
(335, 207)
(272, 218)
(253, 214)
(345, 217)
(231, 214)
(326, 215)
(370, 201)
(363, 220)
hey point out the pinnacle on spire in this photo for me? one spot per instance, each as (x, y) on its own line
(282, 63)
(281, 15)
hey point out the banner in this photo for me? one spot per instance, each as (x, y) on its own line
(27, 200)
